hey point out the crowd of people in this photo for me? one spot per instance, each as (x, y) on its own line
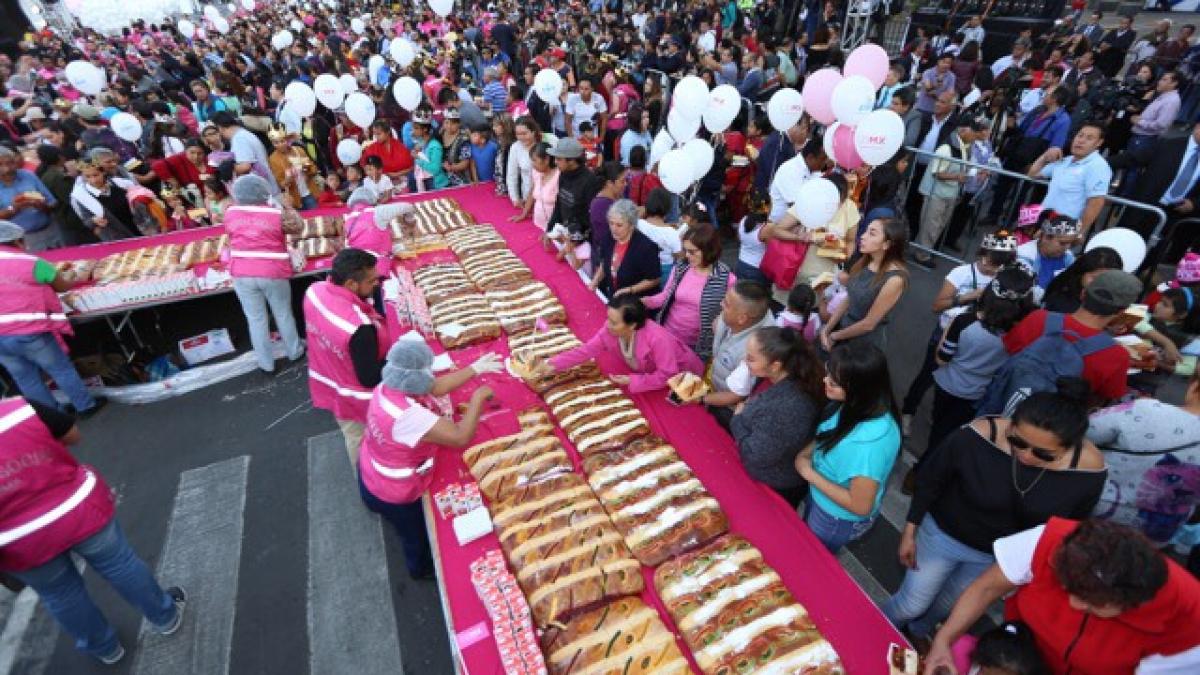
(1048, 471)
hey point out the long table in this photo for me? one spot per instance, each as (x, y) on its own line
(856, 628)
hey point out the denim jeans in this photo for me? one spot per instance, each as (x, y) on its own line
(255, 294)
(834, 532)
(409, 521)
(308, 203)
(945, 567)
(60, 586)
(26, 357)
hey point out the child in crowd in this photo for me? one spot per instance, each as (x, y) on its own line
(329, 194)
(1008, 649)
(216, 199)
(591, 146)
(483, 153)
(377, 180)
(354, 180)
(544, 195)
(177, 211)
(1173, 325)
(752, 249)
(801, 313)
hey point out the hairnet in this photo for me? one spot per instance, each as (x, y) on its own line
(362, 195)
(10, 231)
(409, 367)
(251, 190)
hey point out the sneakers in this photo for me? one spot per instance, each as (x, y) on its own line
(100, 403)
(114, 657)
(180, 599)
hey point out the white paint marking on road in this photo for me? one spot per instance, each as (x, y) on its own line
(202, 553)
(24, 613)
(289, 413)
(351, 619)
(21, 613)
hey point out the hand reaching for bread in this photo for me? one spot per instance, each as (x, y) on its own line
(487, 363)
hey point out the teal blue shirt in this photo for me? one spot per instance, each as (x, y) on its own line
(869, 451)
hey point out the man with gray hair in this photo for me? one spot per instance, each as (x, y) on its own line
(32, 323)
(261, 266)
(493, 90)
(942, 184)
(27, 202)
(745, 309)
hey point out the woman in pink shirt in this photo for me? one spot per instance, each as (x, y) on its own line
(691, 301)
(544, 194)
(653, 354)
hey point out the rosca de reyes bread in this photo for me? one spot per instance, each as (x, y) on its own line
(624, 637)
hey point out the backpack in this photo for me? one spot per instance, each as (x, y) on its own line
(1039, 366)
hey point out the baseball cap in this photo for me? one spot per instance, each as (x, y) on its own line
(1111, 292)
(567, 148)
(86, 112)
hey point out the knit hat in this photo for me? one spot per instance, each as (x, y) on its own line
(1111, 292)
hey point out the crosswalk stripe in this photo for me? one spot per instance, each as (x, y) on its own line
(351, 619)
(202, 552)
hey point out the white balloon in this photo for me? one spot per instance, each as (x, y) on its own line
(221, 24)
(290, 120)
(700, 155)
(662, 145)
(816, 202)
(548, 85)
(878, 136)
(358, 26)
(86, 77)
(690, 97)
(724, 103)
(785, 108)
(231, 7)
(402, 51)
(827, 139)
(408, 93)
(328, 90)
(682, 127)
(789, 177)
(126, 127)
(297, 25)
(349, 151)
(348, 83)
(675, 171)
(1129, 244)
(282, 40)
(248, 5)
(360, 109)
(852, 99)
(441, 7)
(211, 12)
(186, 28)
(300, 98)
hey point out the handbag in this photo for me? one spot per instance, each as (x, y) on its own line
(782, 261)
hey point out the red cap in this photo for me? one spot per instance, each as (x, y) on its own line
(558, 53)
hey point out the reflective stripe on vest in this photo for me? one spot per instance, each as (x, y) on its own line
(337, 321)
(32, 316)
(267, 255)
(15, 417)
(10, 255)
(89, 482)
(425, 467)
(360, 394)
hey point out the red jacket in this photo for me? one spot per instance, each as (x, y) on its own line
(1074, 642)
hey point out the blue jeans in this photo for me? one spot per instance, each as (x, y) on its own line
(744, 271)
(61, 589)
(409, 521)
(308, 203)
(26, 357)
(255, 294)
(945, 567)
(834, 532)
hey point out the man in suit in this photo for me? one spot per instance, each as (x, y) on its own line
(1170, 181)
(1114, 45)
(1092, 30)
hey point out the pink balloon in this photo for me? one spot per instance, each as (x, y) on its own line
(844, 152)
(818, 92)
(870, 61)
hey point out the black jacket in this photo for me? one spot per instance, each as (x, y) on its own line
(576, 190)
(639, 264)
(1162, 161)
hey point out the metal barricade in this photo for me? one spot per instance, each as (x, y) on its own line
(1112, 212)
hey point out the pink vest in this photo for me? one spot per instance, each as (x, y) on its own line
(257, 246)
(392, 471)
(331, 315)
(363, 233)
(49, 502)
(27, 307)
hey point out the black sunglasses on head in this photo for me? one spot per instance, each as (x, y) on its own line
(1020, 444)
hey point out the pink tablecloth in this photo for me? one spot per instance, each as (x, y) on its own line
(839, 607)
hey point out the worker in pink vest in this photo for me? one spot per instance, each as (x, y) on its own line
(402, 437)
(52, 506)
(347, 342)
(32, 326)
(261, 266)
(368, 227)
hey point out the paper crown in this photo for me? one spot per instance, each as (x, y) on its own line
(277, 132)
(1188, 270)
(422, 117)
(1000, 240)
(1059, 225)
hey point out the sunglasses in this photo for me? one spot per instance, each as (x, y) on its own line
(1021, 445)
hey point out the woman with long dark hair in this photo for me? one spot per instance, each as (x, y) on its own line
(793, 401)
(857, 443)
(877, 281)
(1065, 292)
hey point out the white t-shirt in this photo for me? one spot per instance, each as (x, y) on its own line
(247, 149)
(964, 282)
(412, 425)
(1014, 557)
(379, 186)
(752, 248)
(666, 238)
(582, 111)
